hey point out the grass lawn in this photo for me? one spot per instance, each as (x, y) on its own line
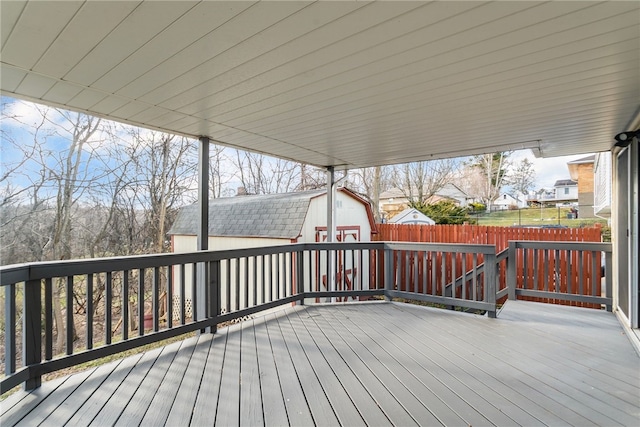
(535, 217)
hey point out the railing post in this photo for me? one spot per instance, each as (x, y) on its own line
(202, 293)
(511, 271)
(389, 274)
(490, 277)
(608, 277)
(32, 324)
(213, 309)
(10, 329)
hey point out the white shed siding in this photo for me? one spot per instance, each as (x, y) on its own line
(183, 244)
(350, 213)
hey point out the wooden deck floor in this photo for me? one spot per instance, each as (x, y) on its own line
(357, 364)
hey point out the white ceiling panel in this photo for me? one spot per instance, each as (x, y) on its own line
(35, 29)
(343, 84)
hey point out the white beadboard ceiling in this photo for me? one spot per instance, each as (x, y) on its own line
(344, 84)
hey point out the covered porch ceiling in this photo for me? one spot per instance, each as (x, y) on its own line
(343, 84)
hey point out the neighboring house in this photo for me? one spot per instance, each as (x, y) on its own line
(566, 191)
(508, 201)
(602, 185)
(269, 220)
(411, 216)
(581, 171)
(394, 201)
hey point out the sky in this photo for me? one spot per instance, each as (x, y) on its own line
(548, 170)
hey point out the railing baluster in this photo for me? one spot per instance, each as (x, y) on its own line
(580, 273)
(255, 280)
(10, 329)
(464, 276)
(595, 273)
(570, 273)
(48, 319)
(156, 298)
(194, 292)
(245, 278)
(278, 276)
(141, 272)
(169, 299)
(183, 296)
(263, 270)
(227, 289)
(89, 310)
(454, 274)
(474, 278)
(69, 312)
(108, 308)
(536, 254)
(236, 286)
(546, 270)
(125, 305)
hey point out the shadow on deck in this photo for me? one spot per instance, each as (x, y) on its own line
(357, 364)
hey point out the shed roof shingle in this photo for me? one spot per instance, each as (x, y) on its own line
(269, 215)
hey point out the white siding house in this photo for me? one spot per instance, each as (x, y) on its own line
(602, 185)
(270, 220)
(507, 201)
(566, 190)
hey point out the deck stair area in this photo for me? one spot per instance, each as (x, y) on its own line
(363, 364)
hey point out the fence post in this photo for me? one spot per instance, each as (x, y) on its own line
(213, 309)
(32, 339)
(511, 271)
(389, 274)
(490, 277)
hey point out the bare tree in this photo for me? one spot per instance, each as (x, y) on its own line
(523, 177)
(163, 178)
(369, 183)
(489, 173)
(259, 174)
(420, 181)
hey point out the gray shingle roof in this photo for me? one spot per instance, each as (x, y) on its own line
(269, 215)
(565, 183)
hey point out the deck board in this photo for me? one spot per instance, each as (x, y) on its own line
(182, 408)
(363, 364)
(206, 404)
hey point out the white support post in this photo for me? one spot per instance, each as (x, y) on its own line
(331, 228)
(202, 289)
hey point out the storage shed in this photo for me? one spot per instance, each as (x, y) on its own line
(411, 216)
(270, 220)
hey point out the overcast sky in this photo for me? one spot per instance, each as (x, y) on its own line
(548, 170)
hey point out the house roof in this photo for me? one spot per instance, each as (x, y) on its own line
(345, 84)
(448, 191)
(588, 159)
(565, 183)
(278, 216)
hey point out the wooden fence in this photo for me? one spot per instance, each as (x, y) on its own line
(590, 267)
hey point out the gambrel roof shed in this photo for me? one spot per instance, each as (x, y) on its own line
(265, 215)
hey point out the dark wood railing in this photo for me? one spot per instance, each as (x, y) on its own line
(561, 272)
(117, 304)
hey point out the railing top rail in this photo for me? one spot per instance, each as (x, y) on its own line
(442, 247)
(548, 244)
(42, 270)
